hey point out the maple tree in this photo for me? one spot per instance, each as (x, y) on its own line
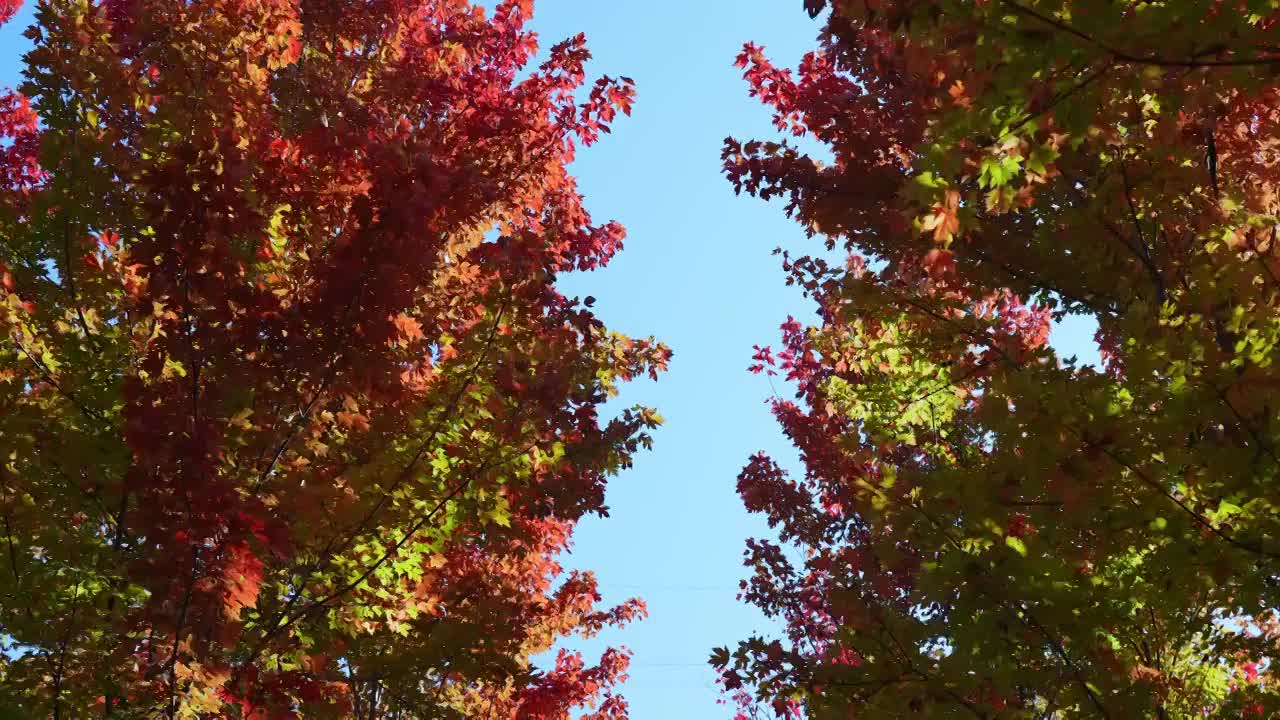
(294, 421)
(985, 528)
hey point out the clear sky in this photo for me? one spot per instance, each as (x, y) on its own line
(697, 272)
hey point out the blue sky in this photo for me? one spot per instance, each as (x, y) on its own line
(698, 273)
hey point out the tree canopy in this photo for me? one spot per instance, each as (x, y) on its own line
(985, 528)
(294, 421)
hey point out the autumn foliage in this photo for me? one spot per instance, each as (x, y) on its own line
(295, 423)
(293, 419)
(984, 527)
